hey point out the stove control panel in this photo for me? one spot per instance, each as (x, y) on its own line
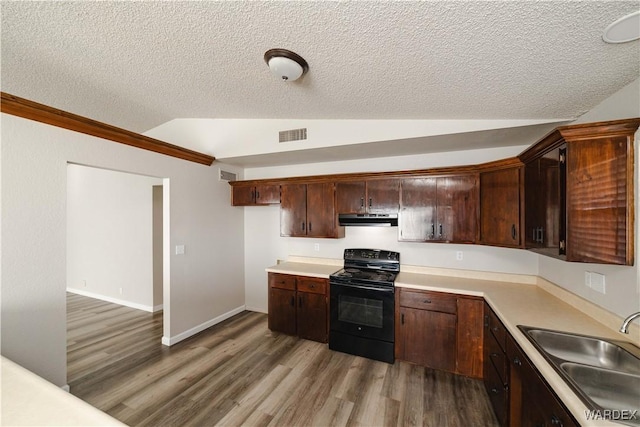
(372, 254)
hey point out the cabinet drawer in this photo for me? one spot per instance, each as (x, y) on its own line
(432, 301)
(498, 358)
(312, 285)
(498, 330)
(498, 395)
(282, 281)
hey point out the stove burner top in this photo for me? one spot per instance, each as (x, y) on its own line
(354, 275)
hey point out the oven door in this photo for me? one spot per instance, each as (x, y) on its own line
(362, 311)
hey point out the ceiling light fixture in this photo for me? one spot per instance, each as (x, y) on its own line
(624, 30)
(287, 65)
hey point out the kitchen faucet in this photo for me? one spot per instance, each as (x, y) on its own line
(625, 325)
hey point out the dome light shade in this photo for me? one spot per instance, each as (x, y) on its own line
(624, 30)
(286, 65)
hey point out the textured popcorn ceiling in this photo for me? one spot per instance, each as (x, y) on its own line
(140, 64)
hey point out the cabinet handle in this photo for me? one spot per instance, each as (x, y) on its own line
(555, 421)
(299, 301)
(426, 301)
(513, 231)
(253, 196)
(495, 329)
(293, 301)
(493, 355)
(362, 202)
(257, 194)
(439, 230)
(402, 319)
(516, 361)
(370, 201)
(303, 226)
(486, 320)
(433, 229)
(309, 226)
(494, 390)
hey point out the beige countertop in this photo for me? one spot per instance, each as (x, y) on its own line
(515, 304)
(29, 400)
(322, 271)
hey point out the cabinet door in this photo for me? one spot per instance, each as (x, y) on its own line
(282, 310)
(500, 207)
(312, 316)
(417, 217)
(267, 194)
(242, 195)
(469, 337)
(599, 188)
(321, 217)
(350, 197)
(293, 210)
(383, 195)
(457, 209)
(428, 338)
(544, 204)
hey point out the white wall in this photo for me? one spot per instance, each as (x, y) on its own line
(110, 235)
(205, 283)
(264, 246)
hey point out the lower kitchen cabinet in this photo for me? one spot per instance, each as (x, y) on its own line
(519, 395)
(298, 305)
(532, 403)
(440, 331)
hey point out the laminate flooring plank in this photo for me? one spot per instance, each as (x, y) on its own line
(240, 373)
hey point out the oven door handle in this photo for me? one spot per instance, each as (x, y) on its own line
(369, 288)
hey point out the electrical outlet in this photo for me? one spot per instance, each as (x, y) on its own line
(459, 255)
(84, 283)
(598, 283)
(316, 247)
(587, 279)
(179, 249)
(120, 290)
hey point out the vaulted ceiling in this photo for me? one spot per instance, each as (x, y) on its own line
(140, 65)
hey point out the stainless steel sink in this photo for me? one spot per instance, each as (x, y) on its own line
(586, 350)
(608, 389)
(604, 373)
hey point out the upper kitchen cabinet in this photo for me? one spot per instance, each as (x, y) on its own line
(379, 196)
(501, 203)
(579, 193)
(250, 195)
(307, 210)
(439, 209)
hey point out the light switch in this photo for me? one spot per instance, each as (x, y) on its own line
(179, 249)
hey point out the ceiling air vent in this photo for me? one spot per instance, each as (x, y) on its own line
(226, 176)
(293, 135)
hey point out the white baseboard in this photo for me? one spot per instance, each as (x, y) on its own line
(66, 388)
(169, 341)
(158, 308)
(257, 309)
(126, 303)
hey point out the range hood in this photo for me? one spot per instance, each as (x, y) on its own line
(368, 220)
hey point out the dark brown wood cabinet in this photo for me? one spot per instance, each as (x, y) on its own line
(579, 193)
(501, 204)
(439, 209)
(544, 200)
(307, 210)
(368, 196)
(439, 330)
(519, 395)
(249, 195)
(532, 403)
(298, 305)
(496, 372)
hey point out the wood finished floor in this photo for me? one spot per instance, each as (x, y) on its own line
(240, 373)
